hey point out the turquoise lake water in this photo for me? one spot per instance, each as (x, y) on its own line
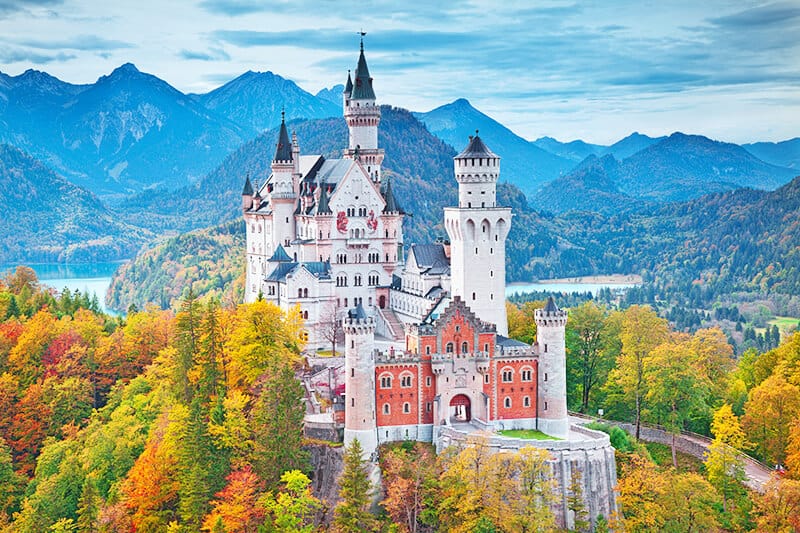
(566, 287)
(92, 277)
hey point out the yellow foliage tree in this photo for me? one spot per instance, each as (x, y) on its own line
(769, 412)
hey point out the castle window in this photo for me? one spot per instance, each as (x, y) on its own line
(545, 347)
(508, 375)
(473, 295)
(464, 347)
(406, 407)
(305, 315)
(299, 293)
(352, 402)
(526, 374)
(449, 347)
(486, 347)
(427, 381)
(428, 407)
(427, 350)
(352, 372)
(357, 280)
(545, 376)
(545, 406)
(486, 378)
(507, 402)
(526, 401)
(405, 380)
(386, 382)
(386, 409)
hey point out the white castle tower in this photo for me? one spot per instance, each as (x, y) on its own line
(363, 116)
(283, 194)
(478, 229)
(551, 323)
(359, 367)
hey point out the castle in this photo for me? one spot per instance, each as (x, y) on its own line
(426, 352)
(325, 236)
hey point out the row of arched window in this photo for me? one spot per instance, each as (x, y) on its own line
(507, 374)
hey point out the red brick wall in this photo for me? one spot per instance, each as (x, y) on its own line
(397, 395)
(516, 390)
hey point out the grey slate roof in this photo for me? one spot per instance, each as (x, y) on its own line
(392, 205)
(320, 270)
(357, 313)
(362, 90)
(280, 255)
(430, 258)
(505, 342)
(279, 272)
(550, 306)
(248, 187)
(475, 148)
(283, 151)
(349, 87)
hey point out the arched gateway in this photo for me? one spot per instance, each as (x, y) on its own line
(460, 409)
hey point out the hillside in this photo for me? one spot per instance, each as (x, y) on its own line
(575, 151)
(210, 261)
(523, 163)
(782, 154)
(255, 100)
(48, 219)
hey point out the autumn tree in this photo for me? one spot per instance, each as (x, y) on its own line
(236, 508)
(293, 508)
(674, 389)
(590, 343)
(352, 514)
(409, 474)
(724, 465)
(778, 508)
(641, 330)
(769, 412)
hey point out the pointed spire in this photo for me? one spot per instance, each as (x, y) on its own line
(550, 306)
(323, 207)
(283, 151)
(248, 187)
(392, 206)
(280, 255)
(363, 84)
(349, 87)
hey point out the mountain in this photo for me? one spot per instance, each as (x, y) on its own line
(333, 95)
(635, 142)
(523, 163)
(420, 165)
(48, 219)
(126, 132)
(592, 186)
(255, 101)
(783, 154)
(683, 166)
(574, 150)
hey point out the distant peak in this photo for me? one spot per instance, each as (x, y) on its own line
(126, 68)
(461, 102)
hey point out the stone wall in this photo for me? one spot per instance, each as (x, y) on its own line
(588, 452)
(327, 463)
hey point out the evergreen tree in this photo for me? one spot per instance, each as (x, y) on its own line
(278, 426)
(187, 324)
(13, 308)
(575, 503)
(352, 515)
(88, 507)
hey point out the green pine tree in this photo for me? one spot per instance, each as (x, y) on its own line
(352, 515)
(88, 507)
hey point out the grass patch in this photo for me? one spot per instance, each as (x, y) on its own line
(327, 353)
(786, 324)
(532, 434)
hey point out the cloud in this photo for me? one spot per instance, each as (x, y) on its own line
(12, 6)
(770, 15)
(78, 42)
(213, 54)
(12, 55)
(234, 8)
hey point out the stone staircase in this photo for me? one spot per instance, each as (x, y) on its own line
(393, 324)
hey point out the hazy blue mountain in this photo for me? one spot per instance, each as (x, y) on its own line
(523, 163)
(574, 150)
(255, 100)
(592, 186)
(635, 142)
(683, 166)
(126, 132)
(47, 219)
(333, 95)
(784, 153)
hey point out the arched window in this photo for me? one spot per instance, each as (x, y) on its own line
(526, 374)
(507, 402)
(449, 347)
(464, 347)
(299, 293)
(406, 408)
(386, 409)
(508, 375)
(405, 380)
(526, 401)
(386, 381)
(427, 350)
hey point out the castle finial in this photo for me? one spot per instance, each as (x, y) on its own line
(476, 132)
(283, 114)
(362, 33)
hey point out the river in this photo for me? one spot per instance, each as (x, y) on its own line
(94, 278)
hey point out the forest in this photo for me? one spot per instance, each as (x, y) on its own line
(191, 420)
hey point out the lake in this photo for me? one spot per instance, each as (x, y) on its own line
(565, 287)
(92, 277)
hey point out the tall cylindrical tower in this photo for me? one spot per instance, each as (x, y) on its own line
(478, 229)
(359, 367)
(551, 323)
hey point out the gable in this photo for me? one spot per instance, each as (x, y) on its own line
(356, 190)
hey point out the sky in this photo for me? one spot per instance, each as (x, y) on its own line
(595, 71)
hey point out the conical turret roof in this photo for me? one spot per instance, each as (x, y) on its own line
(363, 84)
(550, 306)
(280, 255)
(392, 205)
(248, 187)
(349, 87)
(283, 151)
(476, 148)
